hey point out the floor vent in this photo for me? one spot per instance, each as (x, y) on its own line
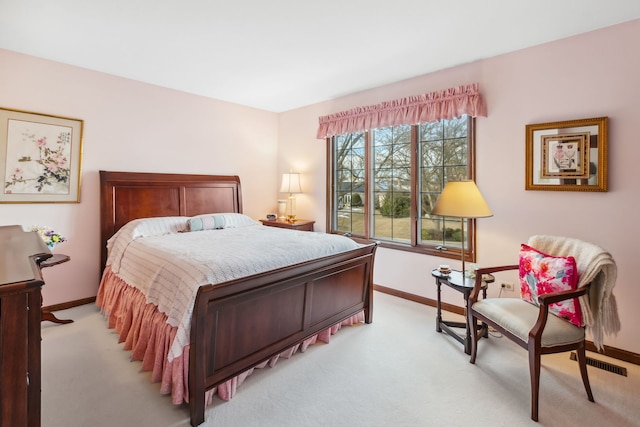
(603, 365)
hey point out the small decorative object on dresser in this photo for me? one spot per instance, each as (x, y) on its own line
(272, 217)
(50, 237)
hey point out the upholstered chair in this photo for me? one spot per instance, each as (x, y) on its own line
(561, 295)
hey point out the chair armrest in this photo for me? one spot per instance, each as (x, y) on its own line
(545, 301)
(480, 272)
(553, 297)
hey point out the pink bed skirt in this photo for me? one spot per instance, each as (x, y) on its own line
(145, 332)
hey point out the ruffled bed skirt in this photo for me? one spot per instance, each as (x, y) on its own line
(145, 332)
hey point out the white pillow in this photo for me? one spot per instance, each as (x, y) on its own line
(146, 227)
(143, 227)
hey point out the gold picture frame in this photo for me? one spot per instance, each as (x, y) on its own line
(567, 156)
(40, 157)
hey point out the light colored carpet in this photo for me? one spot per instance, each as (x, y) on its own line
(397, 371)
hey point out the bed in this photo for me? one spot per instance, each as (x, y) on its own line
(234, 325)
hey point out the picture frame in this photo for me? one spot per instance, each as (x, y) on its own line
(40, 157)
(567, 156)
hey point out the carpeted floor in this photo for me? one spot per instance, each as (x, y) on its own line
(397, 371)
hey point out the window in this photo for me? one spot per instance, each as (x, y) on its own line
(384, 182)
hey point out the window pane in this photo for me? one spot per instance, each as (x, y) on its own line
(431, 153)
(392, 183)
(432, 131)
(431, 230)
(350, 222)
(349, 181)
(452, 233)
(441, 161)
(455, 128)
(455, 173)
(455, 151)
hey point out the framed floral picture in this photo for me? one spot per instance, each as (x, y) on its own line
(40, 157)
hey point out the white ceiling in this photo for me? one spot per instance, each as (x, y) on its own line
(278, 55)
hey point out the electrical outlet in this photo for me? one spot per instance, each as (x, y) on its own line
(507, 286)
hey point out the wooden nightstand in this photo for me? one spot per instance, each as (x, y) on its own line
(50, 262)
(300, 224)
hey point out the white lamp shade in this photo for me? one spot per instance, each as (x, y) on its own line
(290, 183)
(461, 199)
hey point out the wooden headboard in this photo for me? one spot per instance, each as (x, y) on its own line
(125, 196)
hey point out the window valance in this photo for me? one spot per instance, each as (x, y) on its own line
(428, 107)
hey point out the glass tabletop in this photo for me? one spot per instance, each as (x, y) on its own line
(455, 278)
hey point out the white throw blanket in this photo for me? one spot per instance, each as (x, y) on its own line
(595, 266)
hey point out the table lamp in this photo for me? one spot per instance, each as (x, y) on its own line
(461, 199)
(291, 185)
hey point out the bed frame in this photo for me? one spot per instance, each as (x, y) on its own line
(240, 323)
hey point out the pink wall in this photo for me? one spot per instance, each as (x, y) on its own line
(591, 75)
(131, 126)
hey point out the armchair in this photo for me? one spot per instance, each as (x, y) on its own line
(536, 327)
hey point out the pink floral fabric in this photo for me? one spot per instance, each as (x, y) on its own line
(541, 273)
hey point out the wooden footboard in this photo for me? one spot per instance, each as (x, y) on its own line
(240, 323)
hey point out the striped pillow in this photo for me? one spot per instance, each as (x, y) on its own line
(206, 222)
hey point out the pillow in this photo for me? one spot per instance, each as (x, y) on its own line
(137, 228)
(147, 227)
(205, 222)
(235, 220)
(541, 273)
(218, 221)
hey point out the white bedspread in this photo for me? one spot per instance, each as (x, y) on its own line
(168, 269)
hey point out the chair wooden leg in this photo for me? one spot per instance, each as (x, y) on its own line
(534, 372)
(473, 324)
(582, 362)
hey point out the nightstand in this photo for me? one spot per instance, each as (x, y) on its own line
(50, 262)
(300, 224)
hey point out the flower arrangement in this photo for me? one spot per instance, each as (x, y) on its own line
(50, 237)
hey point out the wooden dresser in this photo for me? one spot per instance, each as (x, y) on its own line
(20, 283)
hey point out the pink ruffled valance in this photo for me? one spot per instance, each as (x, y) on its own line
(425, 108)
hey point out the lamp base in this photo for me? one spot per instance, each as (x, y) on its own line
(291, 209)
(282, 210)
